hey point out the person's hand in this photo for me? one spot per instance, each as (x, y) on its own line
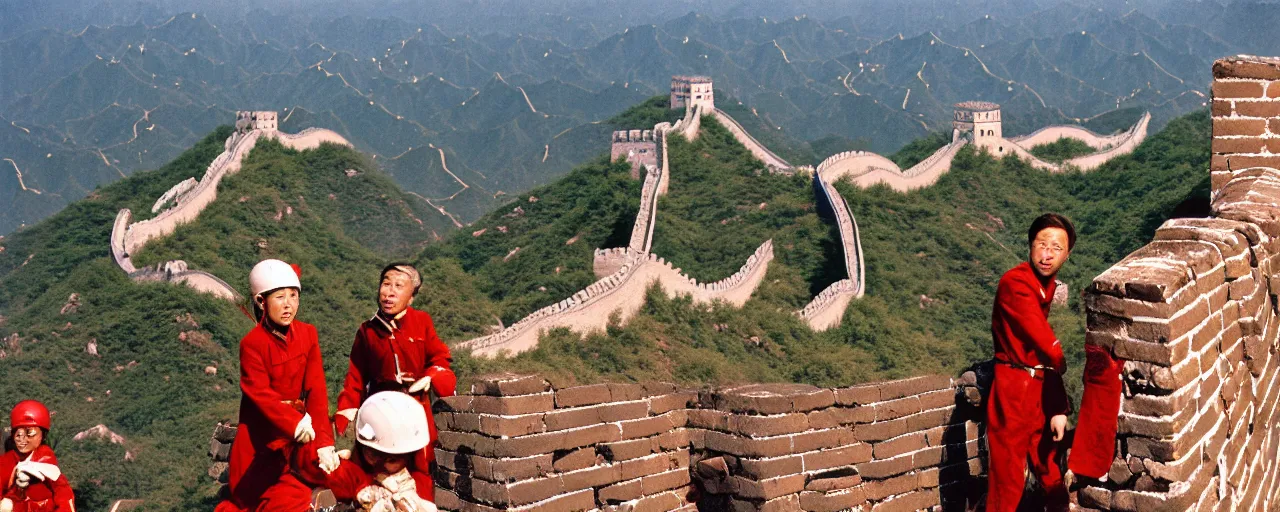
(6, 505)
(329, 459)
(1058, 424)
(372, 494)
(304, 433)
(419, 385)
(342, 419)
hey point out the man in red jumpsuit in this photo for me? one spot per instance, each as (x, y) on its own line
(30, 480)
(1027, 407)
(284, 444)
(398, 350)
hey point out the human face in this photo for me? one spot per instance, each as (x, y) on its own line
(26, 439)
(384, 462)
(395, 293)
(282, 306)
(1049, 251)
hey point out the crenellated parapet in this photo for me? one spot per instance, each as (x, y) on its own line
(190, 197)
(771, 160)
(1194, 314)
(622, 294)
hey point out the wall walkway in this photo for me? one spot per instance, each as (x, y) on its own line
(190, 199)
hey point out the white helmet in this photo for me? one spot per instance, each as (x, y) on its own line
(270, 275)
(392, 422)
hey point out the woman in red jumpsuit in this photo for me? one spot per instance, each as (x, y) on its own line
(284, 444)
(31, 480)
(398, 350)
(1027, 407)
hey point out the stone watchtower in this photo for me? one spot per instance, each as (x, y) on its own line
(691, 91)
(981, 119)
(638, 147)
(256, 120)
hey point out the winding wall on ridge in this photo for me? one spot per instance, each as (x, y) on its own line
(192, 198)
(866, 169)
(771, 160)
(625, 273)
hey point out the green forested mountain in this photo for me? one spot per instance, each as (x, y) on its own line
(462, 112)
(933, 258)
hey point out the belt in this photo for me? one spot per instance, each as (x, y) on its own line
(1036, 372)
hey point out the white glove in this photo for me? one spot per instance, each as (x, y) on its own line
(6, 505)
(382, 505)
(399, 483)
(420, 385)
(39, 470)
(22, 480)
(414, 503)
(344, 454)
(373, 495)
(329, 459)
(303, 433)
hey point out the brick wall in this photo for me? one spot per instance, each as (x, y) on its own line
(1194, 313)
(1246, 116)
(521, 443)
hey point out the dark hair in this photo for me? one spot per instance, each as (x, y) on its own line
(1052, 220)
(392, 266)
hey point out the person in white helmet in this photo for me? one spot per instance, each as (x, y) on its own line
(284, 444)
(391, 428)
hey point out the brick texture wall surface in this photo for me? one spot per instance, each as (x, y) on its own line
(1194, 313)
(520, 443)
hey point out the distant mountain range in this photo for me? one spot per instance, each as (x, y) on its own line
(461, 110)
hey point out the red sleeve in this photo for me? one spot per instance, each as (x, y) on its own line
(317, 394)
(255, 383)
(354, 386)
(1021, 310)
(64, 500)
(443, 381)
(347, 480)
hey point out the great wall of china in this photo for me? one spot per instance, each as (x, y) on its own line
(190, 197)
(624, 273)
(865, 169)
(1194, 314)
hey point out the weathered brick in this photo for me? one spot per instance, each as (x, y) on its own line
(915, 500)
(770, 488)
(858, 395)
(899, 445)
(761, 426)
(880, 469)
(1246, 66)
(672, 401)
(591, 477)
(913, 386)
(583, 395)
(1246, 89)
(1222, 108)
(848, 499)
(576, 459)
(820, 439)
(1239, 126)
(509, 384)
(496, 470)
(852, 454)
(760, 469)
(619, 492)
(877, 490)
(512, 405)
(833, 481)
(1241, 144)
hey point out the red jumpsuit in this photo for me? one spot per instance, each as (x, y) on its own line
(409, 345)
(40, 496)
(1021, 404)
(1095, 439)
(353, 476)
(269, 470)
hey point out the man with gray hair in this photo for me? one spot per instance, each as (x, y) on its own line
(398, 350)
